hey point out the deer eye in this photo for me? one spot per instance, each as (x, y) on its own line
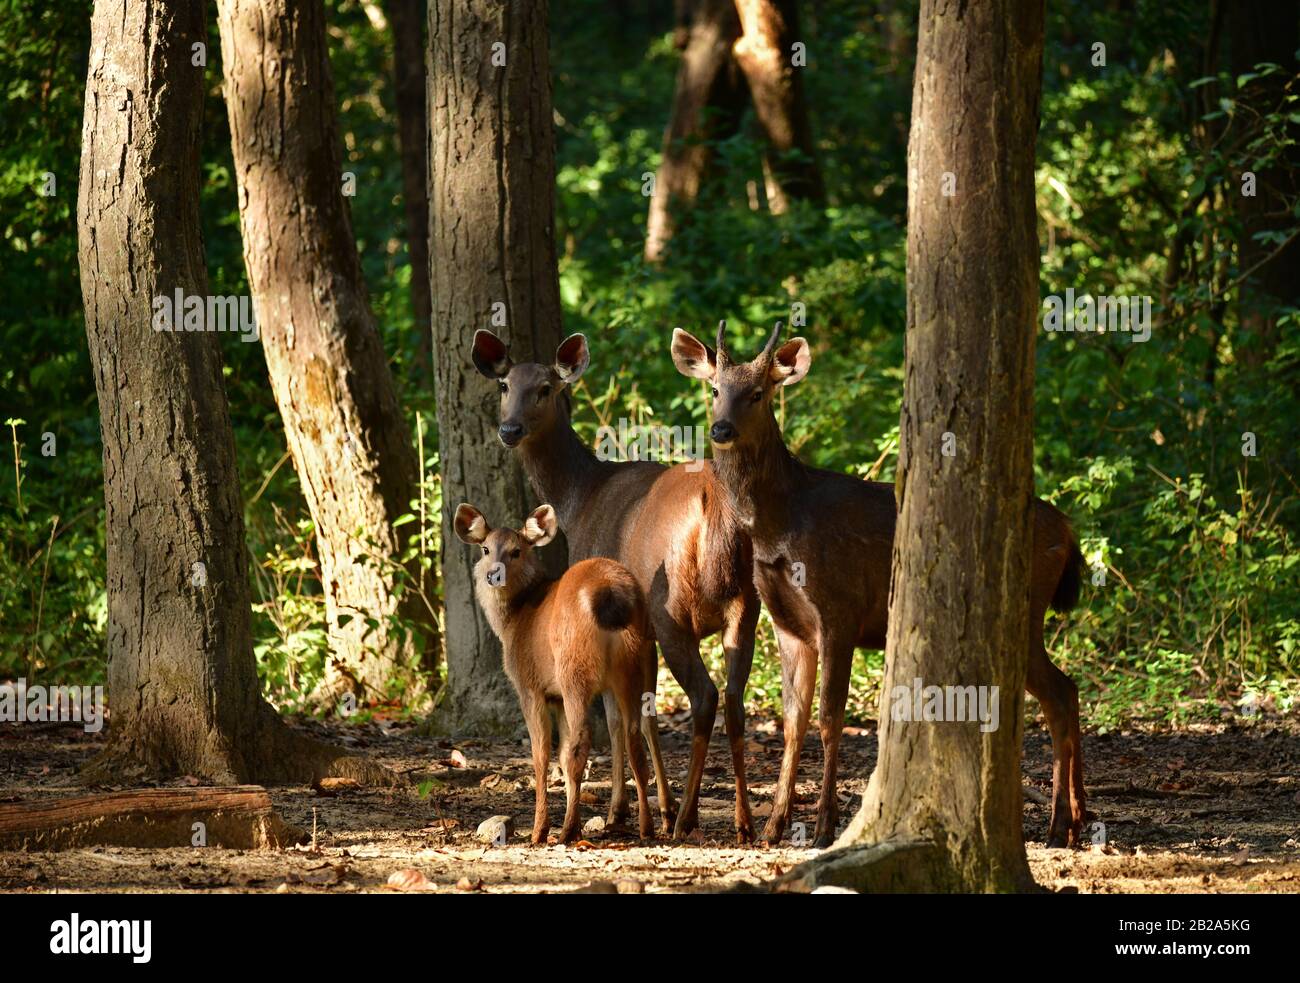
(756, 395)
(514, 553)
(502, 386)
(485, 551)
(714, 390)
(544, 391)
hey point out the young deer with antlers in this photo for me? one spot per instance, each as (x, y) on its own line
(563, 641)
(837, 532)
(673, 527)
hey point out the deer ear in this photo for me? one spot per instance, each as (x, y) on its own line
(790, 362)
(541, 527)
(572, 358)
(491, 356)
(693, 358)
(470, 525)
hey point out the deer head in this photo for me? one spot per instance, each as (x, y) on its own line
(529, 391)
(742, 391)
(506, 560)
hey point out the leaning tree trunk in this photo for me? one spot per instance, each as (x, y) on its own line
(493, 265)
(350, 443)
(942, 811)
(707, 105)
(181, 676)
(1267, 31)
(765, 52)
(406, 19)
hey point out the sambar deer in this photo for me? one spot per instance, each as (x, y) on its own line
(673, 527)
(565, 640)
(840, 530)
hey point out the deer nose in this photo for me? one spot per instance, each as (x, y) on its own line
(722, 432)
(510, 433)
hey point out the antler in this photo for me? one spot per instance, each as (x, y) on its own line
(720, 345)
(771, 342)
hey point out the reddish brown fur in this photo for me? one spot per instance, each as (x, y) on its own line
(672, 527)
(565, 641)
(842, 529)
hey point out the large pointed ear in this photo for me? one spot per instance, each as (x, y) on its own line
(572, 358)
(693, 357)
(790, 362)
(541, 527)
(470, 525)
(491, 356)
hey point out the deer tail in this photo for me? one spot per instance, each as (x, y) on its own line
(616, 603)
(1067, 588)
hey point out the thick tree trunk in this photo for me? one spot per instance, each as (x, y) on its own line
(350, 443)
(943, 808)
(770, 29)
(1267, 31)
(406, 19)
(707, 105)
(492, 265)
(181, 677)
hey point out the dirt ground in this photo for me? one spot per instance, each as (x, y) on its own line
(1214, 809)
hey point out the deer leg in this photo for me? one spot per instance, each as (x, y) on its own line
(630, 704)
(682, 653)
(798, 674)
(837, 661)
(650, 727)
(1059, 698)
(619, 809)
(574, 756)
(538, 720)
(738, 643)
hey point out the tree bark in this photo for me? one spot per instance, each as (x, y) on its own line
(181, 676)
(943, 807)
(770, 28)
(406, 18)
(350, 443)
(1266, 31)
(492, 264)
(708, 101)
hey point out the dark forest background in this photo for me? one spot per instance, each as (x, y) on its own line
(1192, 604)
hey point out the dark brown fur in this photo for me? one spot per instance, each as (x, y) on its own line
(673, 527)
(841, 530)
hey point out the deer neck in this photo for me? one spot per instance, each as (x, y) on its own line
(561, 469)
(761, 479)
(508, 608)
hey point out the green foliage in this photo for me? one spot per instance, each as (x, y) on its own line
(1141, 444)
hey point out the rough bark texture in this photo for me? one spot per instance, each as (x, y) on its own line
(350, 443)
(181, 677)
(237, 817)
(770, 29)
(707, 104)
(406, 18)
(959, 603)
(1267, 31)
(492, 241)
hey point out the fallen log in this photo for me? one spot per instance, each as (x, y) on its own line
(235, 817)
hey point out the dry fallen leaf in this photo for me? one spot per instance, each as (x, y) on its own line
(409, 879)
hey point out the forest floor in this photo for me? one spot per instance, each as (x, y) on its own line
(1204, 809)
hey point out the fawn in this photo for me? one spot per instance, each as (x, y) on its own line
(563, 642)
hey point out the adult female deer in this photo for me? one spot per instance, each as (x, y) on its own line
(672, 527)
(565, 640)
(822, 545)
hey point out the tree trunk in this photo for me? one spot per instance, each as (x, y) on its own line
(406, 19)
(707, 105)
(350, 443)
(492, 265)
(943, 807)
(1266, 31)
(764, 52)
(181, 675)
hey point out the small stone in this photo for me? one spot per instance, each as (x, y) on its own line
(594, 826)
(629, 886)
(833, 889)
(496, 830)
